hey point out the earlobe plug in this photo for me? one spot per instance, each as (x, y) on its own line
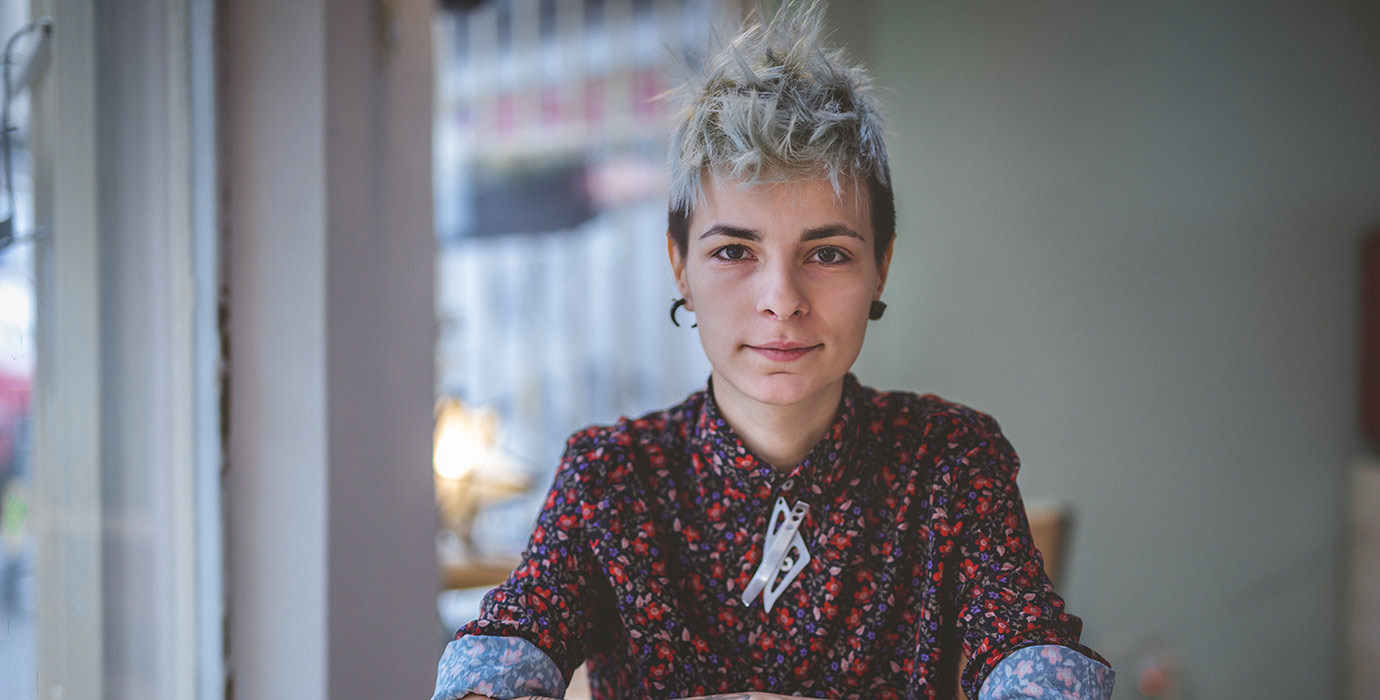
(676, 304)
(878, 308)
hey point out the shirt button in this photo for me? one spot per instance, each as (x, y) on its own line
(788, 484)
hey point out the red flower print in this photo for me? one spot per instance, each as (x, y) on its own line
(969, 568)
(616, 571)
(783, 616)
(727, 618)
(984, 505)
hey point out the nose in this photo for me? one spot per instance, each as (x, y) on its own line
(781, 295)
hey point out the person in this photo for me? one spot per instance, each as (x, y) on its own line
(784, 532)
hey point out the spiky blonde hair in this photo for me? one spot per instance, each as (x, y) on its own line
(775, 104)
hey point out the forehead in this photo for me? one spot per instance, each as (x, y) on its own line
(782, 208)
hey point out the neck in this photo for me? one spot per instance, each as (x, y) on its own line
(781, 435)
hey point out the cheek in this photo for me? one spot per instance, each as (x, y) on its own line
(852, 324)
(719, 316)
(842, 298)
(717, 292)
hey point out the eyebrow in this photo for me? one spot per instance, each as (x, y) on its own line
(809, 234)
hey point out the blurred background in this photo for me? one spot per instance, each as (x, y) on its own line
(300, 300)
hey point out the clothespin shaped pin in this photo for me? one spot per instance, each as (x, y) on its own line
(783, 553)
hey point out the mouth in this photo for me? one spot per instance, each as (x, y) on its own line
(784, 351)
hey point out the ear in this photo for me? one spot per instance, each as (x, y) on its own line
(678, 270)
(886, 265)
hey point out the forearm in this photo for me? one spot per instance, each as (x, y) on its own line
(1048, 670)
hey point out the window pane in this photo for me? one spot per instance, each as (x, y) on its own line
(17, 353)
(553, 283)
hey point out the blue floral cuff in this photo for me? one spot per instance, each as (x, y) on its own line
(499, 667)
(1048, 671)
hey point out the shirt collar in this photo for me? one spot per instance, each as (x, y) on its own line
(825, 463)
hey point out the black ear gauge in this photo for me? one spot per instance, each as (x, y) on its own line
(676, 304)
(878, 308)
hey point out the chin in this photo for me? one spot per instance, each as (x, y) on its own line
(781, 388)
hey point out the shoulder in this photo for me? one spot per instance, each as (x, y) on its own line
(929, 416)
(952, 442)
(611, 452)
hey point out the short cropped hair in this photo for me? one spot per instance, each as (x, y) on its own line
(775, 104)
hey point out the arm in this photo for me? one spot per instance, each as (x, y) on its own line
(1048, 670)
(532, 629)
(1006, 603)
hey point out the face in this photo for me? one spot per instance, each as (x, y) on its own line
(780, 277)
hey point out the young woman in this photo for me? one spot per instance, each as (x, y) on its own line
(785, 531)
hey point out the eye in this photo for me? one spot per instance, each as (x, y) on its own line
(731, 253)
(830, 255)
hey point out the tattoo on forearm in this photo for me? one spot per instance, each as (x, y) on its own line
(494, 666)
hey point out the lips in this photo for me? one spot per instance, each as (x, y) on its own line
(784, 351)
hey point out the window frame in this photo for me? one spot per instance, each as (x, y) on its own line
(78, 533)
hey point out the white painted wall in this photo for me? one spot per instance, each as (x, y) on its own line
(380, 359)
(1130, 232)
(275, 486)
(332, 577)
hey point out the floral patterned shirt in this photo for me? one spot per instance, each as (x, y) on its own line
(919, 551)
